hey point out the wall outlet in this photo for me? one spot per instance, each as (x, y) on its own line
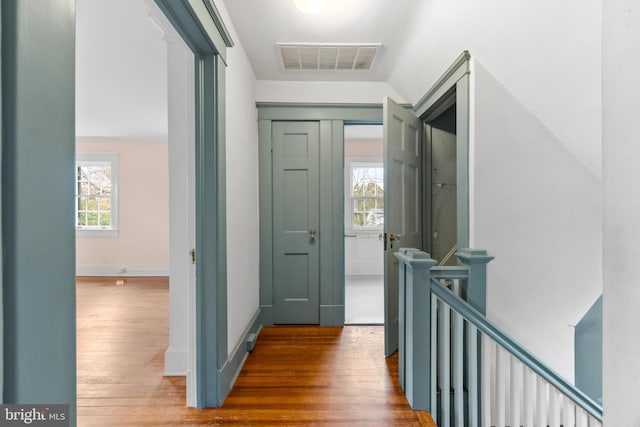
(121, 270)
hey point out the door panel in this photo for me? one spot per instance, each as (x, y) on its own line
(402, 201)
(296, 292)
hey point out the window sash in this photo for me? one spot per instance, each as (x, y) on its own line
(351, 202)
(96, 194)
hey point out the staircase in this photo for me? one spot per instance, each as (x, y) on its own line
(462, 368)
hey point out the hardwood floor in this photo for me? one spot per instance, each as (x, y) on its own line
(296, 375)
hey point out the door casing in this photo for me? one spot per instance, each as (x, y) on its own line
(201, 27)
(453, 86)
(331, 119)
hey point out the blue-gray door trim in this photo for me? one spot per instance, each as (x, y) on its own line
(455, 82)
(200, 25)
(38, 245)
(332, 118)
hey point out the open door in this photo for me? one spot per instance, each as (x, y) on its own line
(402, 204)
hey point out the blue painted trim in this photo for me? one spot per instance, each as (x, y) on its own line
(1, 237)
(361, 113)
(332, 117)
(230, 370)
(509, 344)
(38, 147)
(200, 25)
(195, 23)
(267, 314)
(462, 160)
(454, 82)
(332, 315)
(265, 186)
(414, 338)
(453, 272)
(588, 352)
(219, 23)
(474, 290)
(455, 72)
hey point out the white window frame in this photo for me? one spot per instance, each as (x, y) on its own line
(88, 158)
(350, 163)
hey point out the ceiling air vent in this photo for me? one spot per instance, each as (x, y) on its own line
(328, 57)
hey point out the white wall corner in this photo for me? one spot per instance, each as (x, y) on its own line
(176, 361)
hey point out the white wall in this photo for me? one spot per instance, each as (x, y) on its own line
(546, 53)
(181, 119)
(142, 243)
(243, 251)
(621, 134)
(325, 92)
(538, 211)
(364, 255)
(121, 79)
(536, 190)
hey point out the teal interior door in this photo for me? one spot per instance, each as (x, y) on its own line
(402, 204)
(296, 201)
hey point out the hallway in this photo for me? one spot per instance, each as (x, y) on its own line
(298, 375)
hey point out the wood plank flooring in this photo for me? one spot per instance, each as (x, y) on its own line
(296, 375)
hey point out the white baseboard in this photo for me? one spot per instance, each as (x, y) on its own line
(122, 271)
(176, 361)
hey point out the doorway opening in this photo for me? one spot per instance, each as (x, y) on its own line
(441, 169)
(363, 224)
(148, 126)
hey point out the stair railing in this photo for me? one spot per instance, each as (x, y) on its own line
(464, 369)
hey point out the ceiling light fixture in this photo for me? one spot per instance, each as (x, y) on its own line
(310, 7)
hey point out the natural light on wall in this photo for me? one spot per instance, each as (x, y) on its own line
(310, 7)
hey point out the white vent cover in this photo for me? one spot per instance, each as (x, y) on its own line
(327, 57)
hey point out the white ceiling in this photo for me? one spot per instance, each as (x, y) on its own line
(121, 72)
(261, 24)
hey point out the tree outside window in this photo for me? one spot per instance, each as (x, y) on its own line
(96, 185)
(367, 195)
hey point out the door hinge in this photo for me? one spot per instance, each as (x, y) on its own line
(192, 254)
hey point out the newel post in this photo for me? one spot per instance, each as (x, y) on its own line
(414, 352)
(475, 288)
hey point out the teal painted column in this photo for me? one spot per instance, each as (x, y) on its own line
(414, 352)
(38, 240)
(1, 238)
(402, 297)
(474, 290)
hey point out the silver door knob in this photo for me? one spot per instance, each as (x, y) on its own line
(312, 234)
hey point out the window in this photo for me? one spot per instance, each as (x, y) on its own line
(96, 194)
(365, 195)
